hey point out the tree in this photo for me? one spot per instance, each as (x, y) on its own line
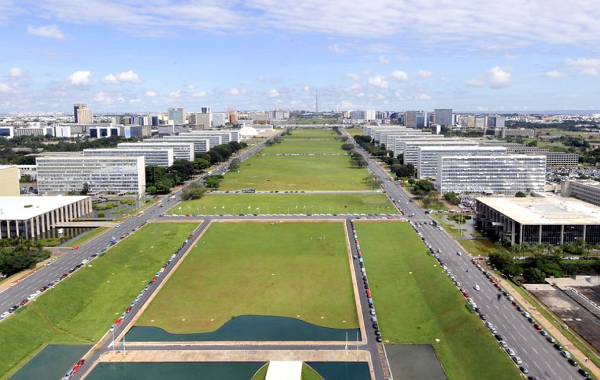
(235, 164)
(215, 157)
(347, 146)
(18, 254)
(373, 181)
(86, 189)
(183, 169)
(214, 181)
(520, 194)
(193, 191)
(534, 276)
(452, 198)
(201, 163)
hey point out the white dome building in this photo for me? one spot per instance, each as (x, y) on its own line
(248, 132)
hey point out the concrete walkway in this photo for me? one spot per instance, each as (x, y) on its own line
(548, 326)
(164, 356)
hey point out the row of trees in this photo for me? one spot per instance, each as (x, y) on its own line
(369, 145)
(545, 260)
(18, 254)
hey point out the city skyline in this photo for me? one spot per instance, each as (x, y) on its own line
(385, 55)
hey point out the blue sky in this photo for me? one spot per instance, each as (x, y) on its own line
(148, 55)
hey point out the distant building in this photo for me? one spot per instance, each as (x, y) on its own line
(428, 156)
(7, 131)
(85, 116)
(493, 174)
(115, 174)
(415, 119)
(178, 115)
(76, 108)
(219, 119)
(9, 181)
(29, 217)
(278, 114)
(442, 116)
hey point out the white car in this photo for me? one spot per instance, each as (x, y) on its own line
(4, 315)
(459, 253)
(476, 287)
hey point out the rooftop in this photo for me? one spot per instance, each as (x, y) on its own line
(545, 210)
(13, 208)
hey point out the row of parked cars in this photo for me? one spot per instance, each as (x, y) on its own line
(44, 288)
(511, 352)
(366, 285)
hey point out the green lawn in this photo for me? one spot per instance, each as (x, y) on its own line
(87, 237)
(305, 146)
(281, 203)
(417, 303)
(354, 131)
(312, 133)
(479, 247)
(81, 308)
(257, 268)
(296, 173)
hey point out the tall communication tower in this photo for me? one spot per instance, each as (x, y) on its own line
(317, 101)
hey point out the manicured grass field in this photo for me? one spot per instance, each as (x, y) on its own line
(296, 173)
(81, 308)
(312, 133)
(354, 131)
(417, 303)
(479, 247)
(297, 270)
(283, 203)
(87, 237)
(305, 146)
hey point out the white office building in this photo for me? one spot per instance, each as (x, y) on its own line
(115, 174)
(411, 147)
(428, 156)
(227, 135)
(181, 150)
(492, 174)
(153, 156)
(201, 143)
(398, 144)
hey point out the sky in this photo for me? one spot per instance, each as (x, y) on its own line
(150, 55)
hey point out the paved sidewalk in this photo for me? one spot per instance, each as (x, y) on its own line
(548, 326)
(165, 356)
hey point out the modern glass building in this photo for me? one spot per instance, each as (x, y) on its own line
(178, 115)
(502, 174)
(115, 174)
(153, 156)
(411, 147)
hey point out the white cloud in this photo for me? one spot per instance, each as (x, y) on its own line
(233, 91)
(306, 88)
(425, 74)
(80, 78)
(151, 94)
(337, 48)
(261, 79)
(555, 74)
(445, 80)
(584, 66)
(5, 88)
(50, 31)
(272, 93)
(423, 97)
(103, 97)
(199, 94)
(380, 96)
(400, 76)
(134, 101)
(499, 77)
(345, 104)
(496, 77)
(378, 81)
(176, 94)
(475, 82)
(383, 59)
(353, 76)
(16, 72)
(124, 77)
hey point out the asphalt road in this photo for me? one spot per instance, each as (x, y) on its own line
(538, 355)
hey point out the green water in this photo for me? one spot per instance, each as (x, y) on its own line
(51, 363)
(174, 371)
(249, 328)
(342, 371)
